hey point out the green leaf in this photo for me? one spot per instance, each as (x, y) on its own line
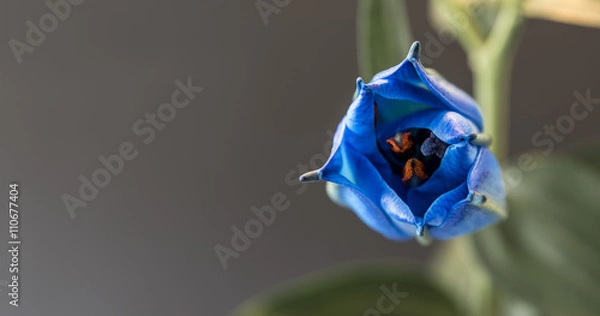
(383, 35)
(358, 290)
(548, 251)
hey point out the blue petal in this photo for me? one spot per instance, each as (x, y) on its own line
(409, 81)
(453, 170)
(369, 213)
(357, 165)
(357, 132)
(439, 209)
(360, 121)
(350, 169)
(484, 204)
(448, 126)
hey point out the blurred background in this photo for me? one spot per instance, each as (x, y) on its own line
(145, 244)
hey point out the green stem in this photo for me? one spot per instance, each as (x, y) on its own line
(491, 88)
(461, 274)
(471, 37)
(492, 65)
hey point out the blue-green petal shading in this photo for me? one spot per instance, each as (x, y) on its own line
(411, 81)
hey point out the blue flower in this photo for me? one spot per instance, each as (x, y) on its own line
(409, 157)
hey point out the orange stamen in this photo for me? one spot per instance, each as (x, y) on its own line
(393, 144)
(406, 142)
(414, 167)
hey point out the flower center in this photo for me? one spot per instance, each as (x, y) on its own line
(414, 154)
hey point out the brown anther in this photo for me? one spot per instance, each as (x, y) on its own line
(414, 167)
(401, 144)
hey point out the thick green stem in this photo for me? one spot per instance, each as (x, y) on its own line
(492, 65)
(491, 88)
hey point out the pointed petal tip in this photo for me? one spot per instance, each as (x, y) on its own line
(415, 51)
(311, 176)
(480, 139)
(360, 84)
(423, 236)
(420, 230)
(477, 198)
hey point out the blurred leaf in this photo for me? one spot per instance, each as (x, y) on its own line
(577, 12)
(548, 251)
(359, 290)
(456, 16)
(460, 273)
(383, 35)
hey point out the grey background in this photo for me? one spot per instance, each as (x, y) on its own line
(145, 245)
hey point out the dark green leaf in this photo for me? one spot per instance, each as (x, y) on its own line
(548, 251)
(384, 35)
(354, 291)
